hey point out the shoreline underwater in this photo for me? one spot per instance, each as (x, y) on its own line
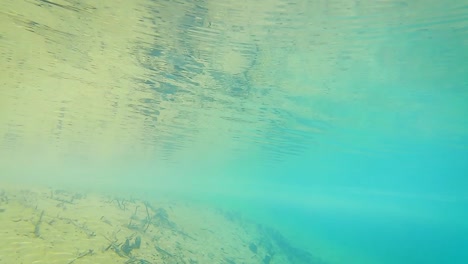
(58, 226)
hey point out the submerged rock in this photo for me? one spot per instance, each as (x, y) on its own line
(253, 248)
(137, 243)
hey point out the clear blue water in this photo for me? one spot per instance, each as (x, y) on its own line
(342, 124)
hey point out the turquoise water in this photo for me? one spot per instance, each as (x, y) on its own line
(342, 124)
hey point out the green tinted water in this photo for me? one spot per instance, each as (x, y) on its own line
(340, 123)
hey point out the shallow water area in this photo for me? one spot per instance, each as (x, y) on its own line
(58, 226)
(203, 131)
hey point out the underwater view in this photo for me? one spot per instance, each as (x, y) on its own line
(233, 131)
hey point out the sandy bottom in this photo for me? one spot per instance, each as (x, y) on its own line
(58, 226)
